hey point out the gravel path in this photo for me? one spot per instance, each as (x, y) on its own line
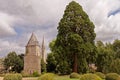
(1, 78)
(29, 78)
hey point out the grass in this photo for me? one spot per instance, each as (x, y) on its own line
(56, 78)
(63, 78)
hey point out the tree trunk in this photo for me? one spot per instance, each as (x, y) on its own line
(75, 66)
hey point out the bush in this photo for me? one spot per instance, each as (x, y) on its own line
(112, 76)
(47, 76)
(101, 75)
(36, 74)
(25, 74)
(74, 75)
(118, 78)
(13, 77)
(90, 77)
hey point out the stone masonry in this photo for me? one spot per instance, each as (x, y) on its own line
(33, 56)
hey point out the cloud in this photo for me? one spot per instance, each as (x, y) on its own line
(7, 46)
(19, 18)
(6, 24)
(105, 15)
(35, 11)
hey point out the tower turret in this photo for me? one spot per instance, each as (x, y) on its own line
(43, 51)
(32, 56)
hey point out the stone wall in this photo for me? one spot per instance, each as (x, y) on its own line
(32, 64)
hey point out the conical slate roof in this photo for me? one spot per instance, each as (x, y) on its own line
(33, 40)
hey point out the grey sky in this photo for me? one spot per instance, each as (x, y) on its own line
(19, 18)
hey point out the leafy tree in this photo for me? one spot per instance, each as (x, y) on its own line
(52, 45)
(105, 56)
(108, 56)
(117, 54)
(109, 46)
(63, 68)
(13, 63)
(54, 63)
(116, 48)
(99, 44)
(21, 56)
(115, 66)
(75, 39)
(104, 60)
(43, 66)
(51, 63)
(51, 59)
(116, 44)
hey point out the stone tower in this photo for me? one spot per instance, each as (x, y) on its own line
(32, 58)
(43, 51)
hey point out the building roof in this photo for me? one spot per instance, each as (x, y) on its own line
(33, 40)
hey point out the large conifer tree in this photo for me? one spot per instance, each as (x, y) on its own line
(75, 39)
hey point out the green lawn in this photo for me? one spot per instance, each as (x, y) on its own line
(56, 78)
(63, 78)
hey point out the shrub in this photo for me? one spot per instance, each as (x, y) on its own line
(74, 75)
(46, 76)
(13, 77)
(112, 76)
(36, 74)
(101, 75)
(25, 74)
(118, 78)
(90, 77)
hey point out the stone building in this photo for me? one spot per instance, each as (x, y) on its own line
(33, 55)
(43, 51)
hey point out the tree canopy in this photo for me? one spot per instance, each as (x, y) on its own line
(13, 62)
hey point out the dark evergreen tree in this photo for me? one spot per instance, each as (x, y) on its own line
(75, 39)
